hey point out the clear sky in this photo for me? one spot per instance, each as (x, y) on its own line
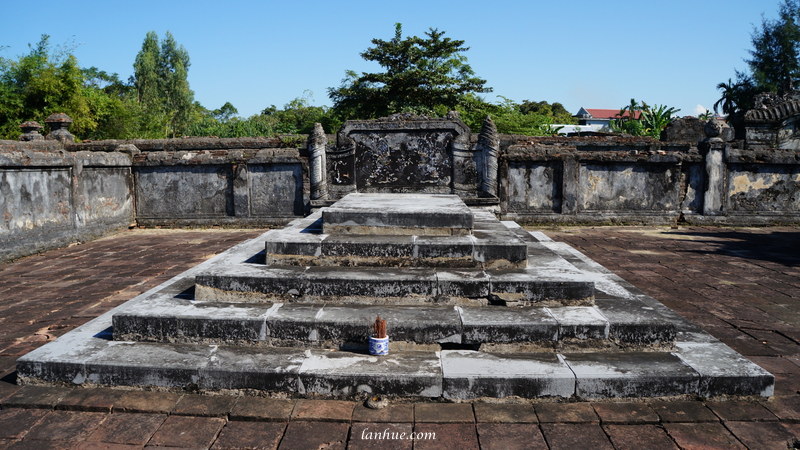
(596, 54)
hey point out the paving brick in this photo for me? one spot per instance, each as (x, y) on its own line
(42, 444)
(7, 390)
(17, 422)
(90, 399)
(303, 434)
(741, 410)
(702, 435)
(107, 446)
(402, 412)
(145, 401)
(635, 437)
(625, 413)
(436, 436)
(184, 431)
(381, 436)
(323, 410)
(785, 408)
(66, 426)
(127, 428)
(761, 435)
(566, 413)
(510, 436)
(267, 409)
(204, 405)
(36, 397)
(251, 435)
(575, 435)
(443, 413)
(683, 411)
(508, 413)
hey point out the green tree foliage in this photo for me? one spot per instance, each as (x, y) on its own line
(774, 65)
(296, 117)
(774, 59)
(162, 88)
(513, 118)
(42, 83)
(641, 119)
(556, 111)
(420, 75)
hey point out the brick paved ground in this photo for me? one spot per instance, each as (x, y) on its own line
(742, 286)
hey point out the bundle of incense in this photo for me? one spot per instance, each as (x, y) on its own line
(379, 328)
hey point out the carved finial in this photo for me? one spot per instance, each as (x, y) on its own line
(59, 127)
(317, 143)
(488, 135)
(489, 147)
(30, 131)
(318, 136)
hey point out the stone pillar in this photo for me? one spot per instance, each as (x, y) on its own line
(714, 148)
(317, 172)
(30, 131)
(488, 146)
(59, 128)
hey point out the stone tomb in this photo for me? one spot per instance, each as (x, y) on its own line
(289, 313)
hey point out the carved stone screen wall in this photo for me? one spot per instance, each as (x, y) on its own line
(398, 155)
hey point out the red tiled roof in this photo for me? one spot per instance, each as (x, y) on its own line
(609, 113)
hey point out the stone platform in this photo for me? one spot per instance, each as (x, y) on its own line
(58, 290)
(391, 214)
(620, 343)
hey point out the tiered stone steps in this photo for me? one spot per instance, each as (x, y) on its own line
(236, 323)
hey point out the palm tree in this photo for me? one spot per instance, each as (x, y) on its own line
(728, 98)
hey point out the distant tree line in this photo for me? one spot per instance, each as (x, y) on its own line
(426, 75)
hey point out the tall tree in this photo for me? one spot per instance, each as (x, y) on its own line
(162, 86)
(775, 58)
(774, 65)
(420, 74)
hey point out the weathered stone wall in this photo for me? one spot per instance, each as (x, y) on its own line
(599, 179)
(50, 197)
(54, 193)
(636, 180)
(210, 181)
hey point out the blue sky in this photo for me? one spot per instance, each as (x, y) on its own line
(596, 54)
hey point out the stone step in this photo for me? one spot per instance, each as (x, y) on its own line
(391, 214)
(164, 318)
(490, 245)
(408, 286)
(449, 374)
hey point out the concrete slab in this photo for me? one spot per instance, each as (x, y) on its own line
(531, 286)
(470, 374)
(724, 371)
(631, 374)
(632, 321)
(579, 322)
(341, 374)
(166, 318)
(420, 214)
(417, 324)
(508, 325)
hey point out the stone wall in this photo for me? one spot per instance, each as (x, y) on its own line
(599, 180)
(50, 197)
(257, 186)
(54, 193)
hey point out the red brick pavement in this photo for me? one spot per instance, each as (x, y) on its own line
(741, 285)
